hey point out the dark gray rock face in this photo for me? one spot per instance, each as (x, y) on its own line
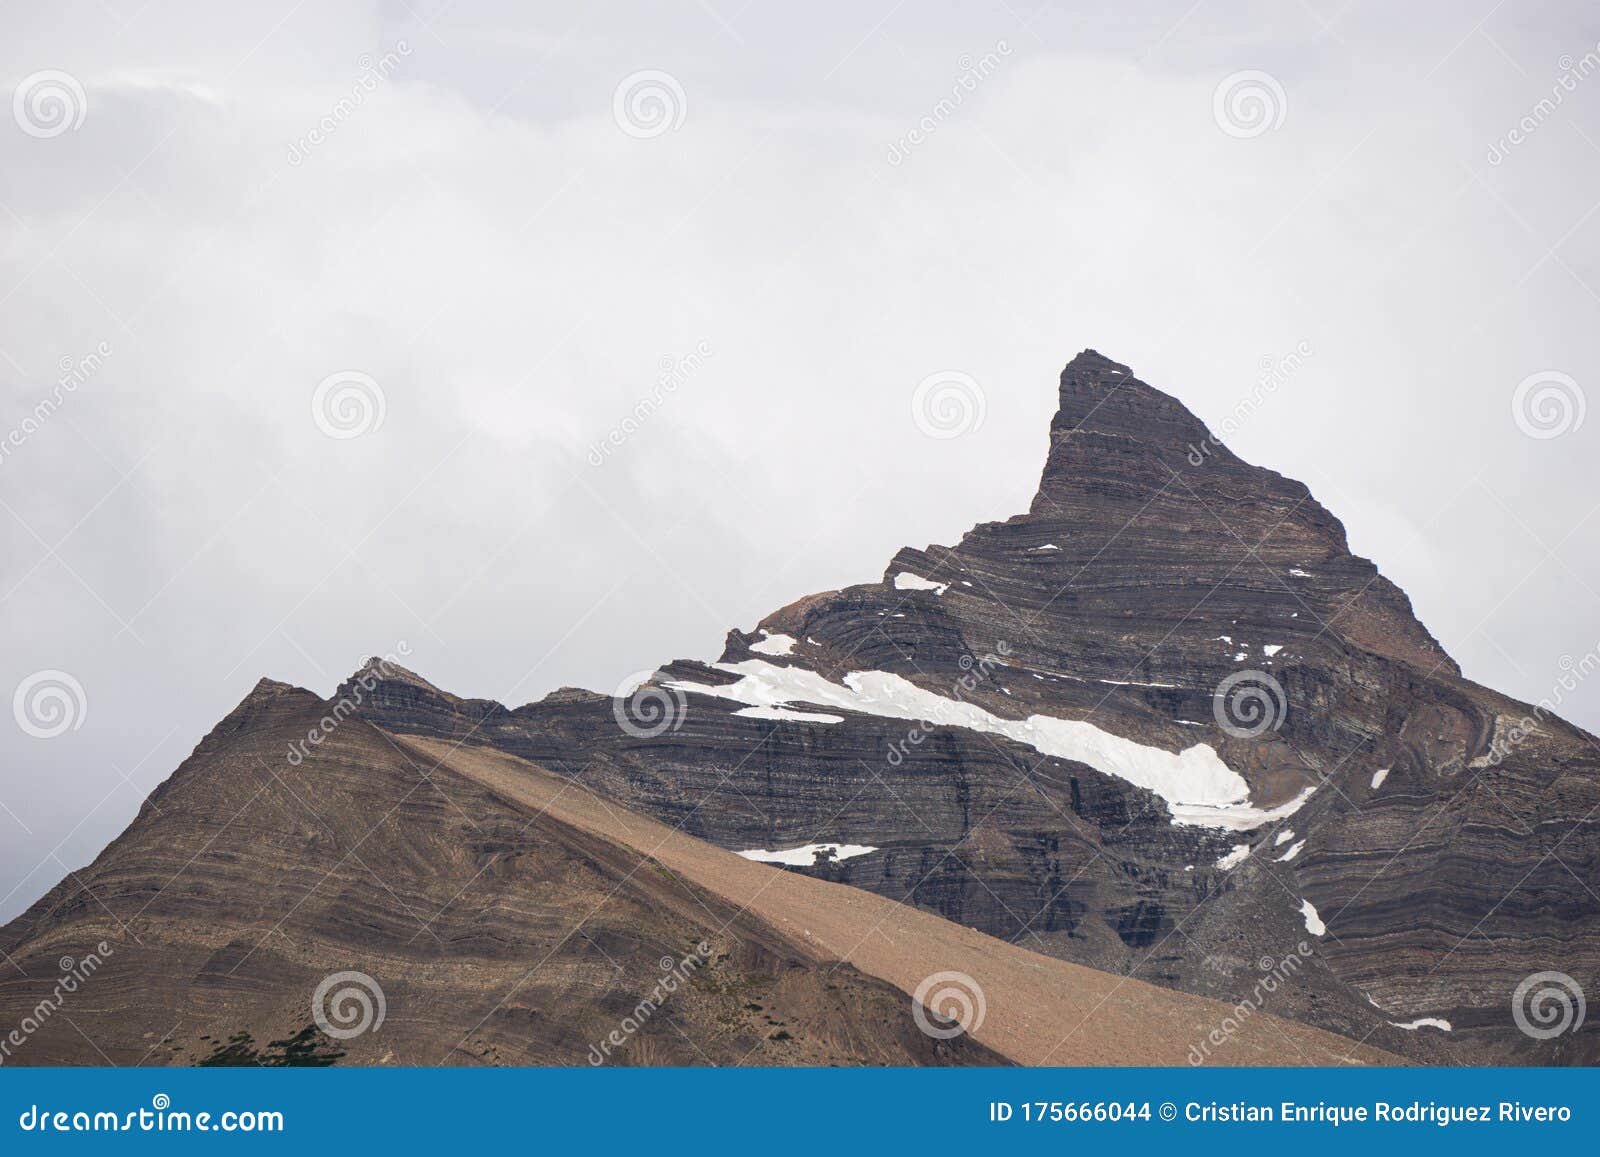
(1153, 568)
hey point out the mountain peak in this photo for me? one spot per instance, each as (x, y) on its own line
(1101, 396)
(384, 669)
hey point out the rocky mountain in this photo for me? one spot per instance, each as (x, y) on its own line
(1163, 725)
(385, 899)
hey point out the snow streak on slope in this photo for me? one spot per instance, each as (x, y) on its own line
(1197, 786)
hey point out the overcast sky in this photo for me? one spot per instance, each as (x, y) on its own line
(491, 228)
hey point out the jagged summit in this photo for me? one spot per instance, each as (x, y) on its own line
(384, 669)
(1102, 396)
(1027, 733)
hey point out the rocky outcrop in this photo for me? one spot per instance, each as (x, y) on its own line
(1153, 569)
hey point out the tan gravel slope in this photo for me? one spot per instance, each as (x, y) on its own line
(1037, 1010)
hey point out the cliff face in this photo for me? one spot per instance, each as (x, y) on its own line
(1164, 723)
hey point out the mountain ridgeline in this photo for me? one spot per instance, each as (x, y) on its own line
(1163, 725)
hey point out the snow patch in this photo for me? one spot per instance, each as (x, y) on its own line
(906, 581)
(1198, 787)
(774, 645)
(1314, 924)
(806, 855)
(1240, 853)
(791, 715)
(1423, 1022)
(1239, 818)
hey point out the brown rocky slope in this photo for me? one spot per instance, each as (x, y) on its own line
(508, 916)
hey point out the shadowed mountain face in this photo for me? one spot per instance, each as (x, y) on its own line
(1164, 725)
